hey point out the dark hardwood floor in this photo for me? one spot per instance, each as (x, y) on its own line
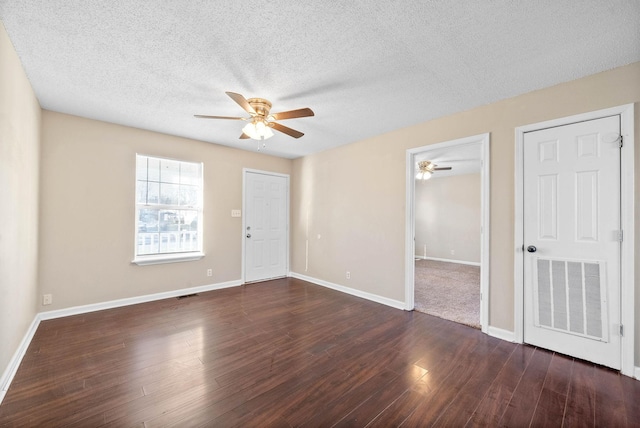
(289, 353)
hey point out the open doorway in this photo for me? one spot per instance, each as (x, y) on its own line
(447, 266)
(447, 231)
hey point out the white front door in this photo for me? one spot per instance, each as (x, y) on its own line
(266, 225)
(572, 240)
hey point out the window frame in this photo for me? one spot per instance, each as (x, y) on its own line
(172, 257)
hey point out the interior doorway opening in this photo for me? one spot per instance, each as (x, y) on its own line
(447, 251)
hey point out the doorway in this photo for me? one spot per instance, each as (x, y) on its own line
(265, 225)
(466, 156)
(573, 294)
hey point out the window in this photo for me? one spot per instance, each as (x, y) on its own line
(168, 210)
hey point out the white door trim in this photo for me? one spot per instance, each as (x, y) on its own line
(245, 171)
(483, 140)
(627, 271)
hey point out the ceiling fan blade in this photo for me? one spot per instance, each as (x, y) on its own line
(291, 114)
(244, 136)
(286, 130)
(444, 168)
(242, 102)
(203, 116)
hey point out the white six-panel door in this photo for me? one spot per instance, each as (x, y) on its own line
(266, 226)
(571, 238)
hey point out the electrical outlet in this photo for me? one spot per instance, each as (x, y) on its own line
(209, 272)
(47, 299)
(348, 275)
(453, 252)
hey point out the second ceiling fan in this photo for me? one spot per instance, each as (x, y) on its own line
(426, 168)
(261, 121)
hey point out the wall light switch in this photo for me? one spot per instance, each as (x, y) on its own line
(236, 213)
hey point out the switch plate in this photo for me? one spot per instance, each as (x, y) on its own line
(236, 213)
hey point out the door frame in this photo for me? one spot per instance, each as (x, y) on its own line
(246, 171)
(483, 140)
(627, 211)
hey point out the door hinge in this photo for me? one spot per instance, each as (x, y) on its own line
(620, 143)
(620, 236)
(621, 330)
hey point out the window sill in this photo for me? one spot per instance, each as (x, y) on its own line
(167, 258)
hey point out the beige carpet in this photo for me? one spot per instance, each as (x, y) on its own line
(448, 290)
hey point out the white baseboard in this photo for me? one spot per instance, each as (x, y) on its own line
(509, 336)
(358, 293)
(76, 310)
(499, 333)
(14, 363)
(460, 262)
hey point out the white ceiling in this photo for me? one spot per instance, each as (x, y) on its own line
(365, 67)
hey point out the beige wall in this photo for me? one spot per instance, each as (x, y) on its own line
(354, 196)
(448, 218)
(346, 203)
(19, 158)
(87, 211)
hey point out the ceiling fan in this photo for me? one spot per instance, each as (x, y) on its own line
(261, 120)
(426, 168)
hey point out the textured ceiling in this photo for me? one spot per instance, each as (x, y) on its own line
(365, 67)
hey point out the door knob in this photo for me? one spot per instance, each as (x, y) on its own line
(248, 235)
(532, 249)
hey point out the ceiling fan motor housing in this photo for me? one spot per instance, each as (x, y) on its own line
(260, 105)
(426, 166)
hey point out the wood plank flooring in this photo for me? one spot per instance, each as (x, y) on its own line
(288, 353)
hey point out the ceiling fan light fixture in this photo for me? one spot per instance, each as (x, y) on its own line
(250, 130)
(258, 130)
(423, 175)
